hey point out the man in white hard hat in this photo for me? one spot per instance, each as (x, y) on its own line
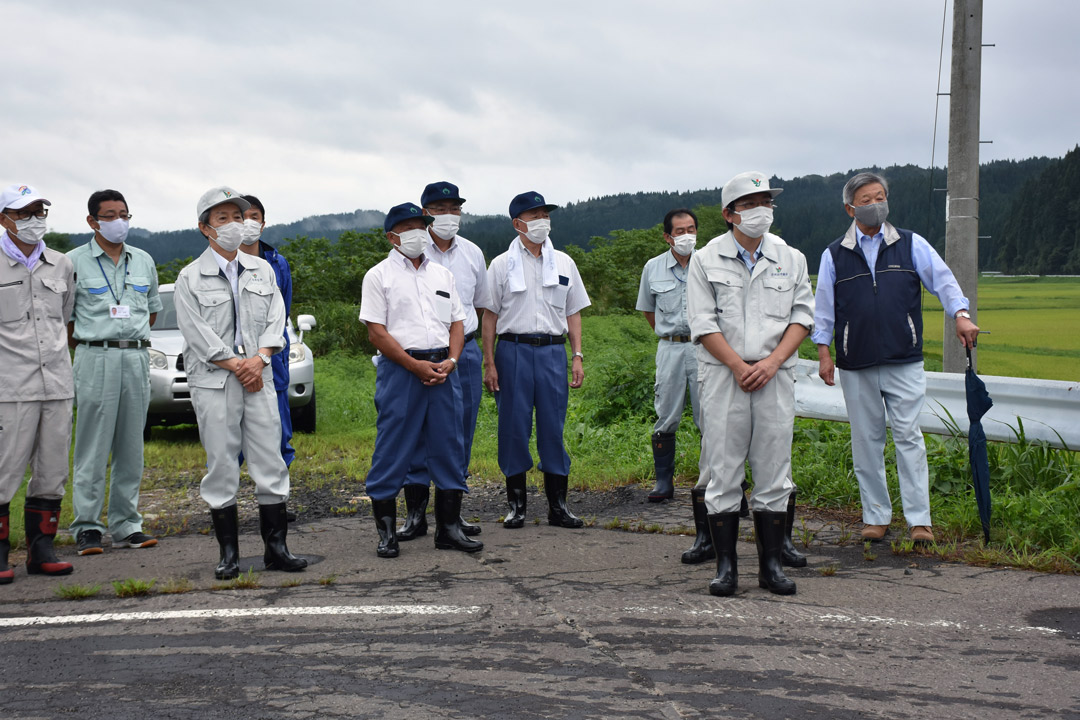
(37, 292)
(231, 315)
(750, 306)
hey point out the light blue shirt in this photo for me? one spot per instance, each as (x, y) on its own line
(934, 273)
(749, 259)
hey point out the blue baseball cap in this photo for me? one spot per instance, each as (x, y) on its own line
(528, 201)
(403, 212)
(440, 191)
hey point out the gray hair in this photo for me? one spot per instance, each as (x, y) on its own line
(862, 180)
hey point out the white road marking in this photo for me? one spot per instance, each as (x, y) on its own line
(802, 613)
(241, 613)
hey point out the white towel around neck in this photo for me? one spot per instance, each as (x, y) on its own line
(515, 272)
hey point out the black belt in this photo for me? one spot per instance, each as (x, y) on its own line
(534, 339)
(430, 355)
(470, 336)
(121, 344)
(676, 338)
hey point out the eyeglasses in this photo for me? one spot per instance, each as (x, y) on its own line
(751, 204)
(27, 214)
(110, 218)
(456, 210)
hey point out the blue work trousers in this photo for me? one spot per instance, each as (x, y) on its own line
(531, 377)
(415, 421)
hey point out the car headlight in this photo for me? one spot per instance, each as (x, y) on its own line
(158, 360)
(296, 354)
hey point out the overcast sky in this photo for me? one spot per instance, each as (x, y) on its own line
(333, 106)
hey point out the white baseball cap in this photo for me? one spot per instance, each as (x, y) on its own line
(744, 184)
(218, 196)
(17, 197)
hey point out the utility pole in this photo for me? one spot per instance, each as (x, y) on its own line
(962, 200)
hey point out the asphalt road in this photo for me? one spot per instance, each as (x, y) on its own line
(544, 622)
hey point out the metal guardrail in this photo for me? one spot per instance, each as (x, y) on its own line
(1050, 409)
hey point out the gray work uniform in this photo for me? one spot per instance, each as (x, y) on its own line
(230, 418)
(35, 381)
(752, 309)
(112, 383)
(663, 292)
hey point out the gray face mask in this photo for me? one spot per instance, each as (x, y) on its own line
(872, 215)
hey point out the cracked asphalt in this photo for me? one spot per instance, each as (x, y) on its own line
(543, 623)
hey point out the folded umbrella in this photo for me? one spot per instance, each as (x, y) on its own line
(978, 404)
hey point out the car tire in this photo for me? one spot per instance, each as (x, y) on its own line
(303, 418)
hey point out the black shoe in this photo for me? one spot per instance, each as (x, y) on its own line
(769, 529)
(517, 496)
(41, 519)
(663, 448)
(789, 554)
(385, 514)
(7, 574)
(416, 499)
(559, 515)
(274, 526)
(134, 540)
(448, 533)
(724, 529)
(88, 542)
(702, 549)
(227, 531)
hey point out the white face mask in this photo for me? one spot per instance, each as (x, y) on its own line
(229, 236)
(413, 243)
(685, 244)
(30, 231)
(446, 226)
(538, 230)
(252, 231)
(115, 231)
(755, 221)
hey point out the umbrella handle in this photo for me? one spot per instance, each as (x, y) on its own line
(968, 357)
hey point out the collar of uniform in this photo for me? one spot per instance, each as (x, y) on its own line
(729, 247)
(406, 262)
(854, 234)
(435, 248)
(671, 261)
(210, 265)
(97, 251)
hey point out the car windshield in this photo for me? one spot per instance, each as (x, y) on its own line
(166, 317)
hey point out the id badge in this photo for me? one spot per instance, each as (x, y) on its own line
(119, 312)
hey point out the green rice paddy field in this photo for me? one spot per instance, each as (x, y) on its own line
(1034, 325)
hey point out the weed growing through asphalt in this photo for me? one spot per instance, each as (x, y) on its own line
(328, 579)
(77, 592)
(292, 582)
(867, 553)
(176, 586)
(133, 587)
(828, 570)
(806, 535)
(245, 581)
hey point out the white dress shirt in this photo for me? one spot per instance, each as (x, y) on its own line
(466, 261)
(231, 269)
(536, 309)
(416, 305)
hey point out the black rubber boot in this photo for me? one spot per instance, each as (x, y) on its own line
(448, 532)
(744, 506)
(469, 528)
(7, 575)
(516, 496)
(227, 531)
(724, 528)
(416, 499)
(385, 514)
(769, 529)
(41, 518)
(555, 486)
(702, 549)
(274, 526)
(663, 450)
(789, 555)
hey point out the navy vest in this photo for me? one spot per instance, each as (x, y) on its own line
(878, 322)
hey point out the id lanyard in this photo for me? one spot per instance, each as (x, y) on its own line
(111, 291)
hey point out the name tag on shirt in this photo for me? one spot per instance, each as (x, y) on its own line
(119, 312)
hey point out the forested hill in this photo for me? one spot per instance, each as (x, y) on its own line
(1042, 232)
(809, 215)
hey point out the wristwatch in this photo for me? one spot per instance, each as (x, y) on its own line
(265, 358)
(453, 360)
(578, 354)
(963, 314)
